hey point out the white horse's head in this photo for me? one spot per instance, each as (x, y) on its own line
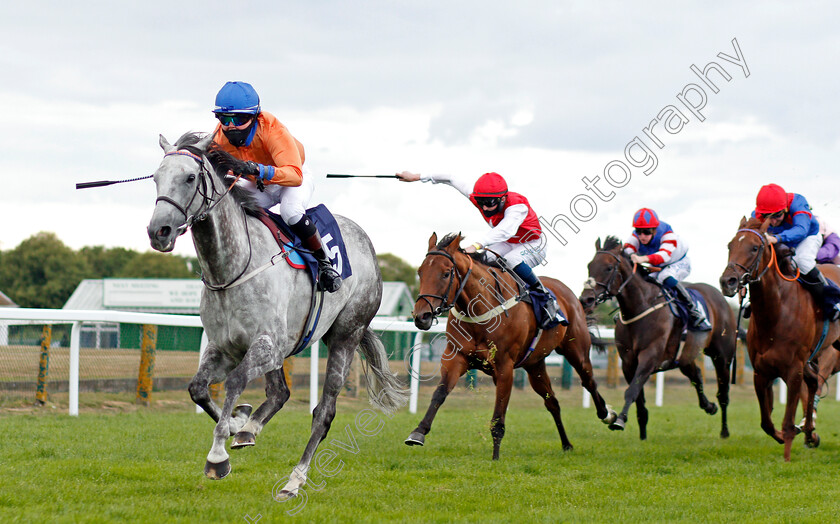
(181, 182)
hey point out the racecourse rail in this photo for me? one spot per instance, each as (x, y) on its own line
(379, 324)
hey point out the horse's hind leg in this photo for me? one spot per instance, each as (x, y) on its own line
(451, 369)
(811, 380)
(213, 368)
(541, 383)
(258, 360)
(583, 367)
(276, 395)
(339, 358)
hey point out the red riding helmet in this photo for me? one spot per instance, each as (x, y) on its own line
(771, 199)
(490, 185)
(646, 218)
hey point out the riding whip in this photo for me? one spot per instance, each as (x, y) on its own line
(100, 183)
(361, 176)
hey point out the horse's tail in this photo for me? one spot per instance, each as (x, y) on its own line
(384, 389)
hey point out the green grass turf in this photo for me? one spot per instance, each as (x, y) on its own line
(146, 465)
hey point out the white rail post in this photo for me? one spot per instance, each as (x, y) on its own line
(837, 388)
(201, 350)
(782, 392)
(73, 379)
(660, 388)
(313, 376)
(414, 373)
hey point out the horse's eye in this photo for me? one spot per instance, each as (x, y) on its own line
(446, 274)
(190, 178)
(754, 249)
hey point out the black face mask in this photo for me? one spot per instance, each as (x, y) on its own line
(490, 212)
(238, 137)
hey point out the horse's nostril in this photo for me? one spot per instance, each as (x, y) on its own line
(164, 232)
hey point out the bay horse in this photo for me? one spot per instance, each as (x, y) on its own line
(785, 331)
(647, 334)
(254, 306)
(489, 329)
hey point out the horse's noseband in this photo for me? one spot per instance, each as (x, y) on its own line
(445, 305)
(747, 277)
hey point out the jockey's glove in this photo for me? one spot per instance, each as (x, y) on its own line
(259, 171)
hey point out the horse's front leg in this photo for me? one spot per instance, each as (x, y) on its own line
(451, 369)
(259, 360)
(213, 368)
(764, 393)
(576, 356)
(504, 385)
(789, 429)
(276, 394)
(636, 378)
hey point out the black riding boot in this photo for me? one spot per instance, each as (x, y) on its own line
(698, 318)
(328, 278)
(815, 283)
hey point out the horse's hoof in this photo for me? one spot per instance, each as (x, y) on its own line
(243, 439)
(568, 447)
(797, 430)
(712, 409)
(617, 425)
(611, 415)
(415, 439)
(724, 433)
(813, 442)
(217, 471)
(284, 495)
(243, 410)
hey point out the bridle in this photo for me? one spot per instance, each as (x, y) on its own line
(208, 203)
(747, 277)
(445, 305)
(606, 294)
(201, 189)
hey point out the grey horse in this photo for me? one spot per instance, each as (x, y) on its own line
(254, 306)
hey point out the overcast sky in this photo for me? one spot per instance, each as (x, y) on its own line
(543, 92)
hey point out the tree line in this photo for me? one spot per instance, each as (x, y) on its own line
(42, 272)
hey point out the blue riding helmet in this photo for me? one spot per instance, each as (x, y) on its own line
(237, 97)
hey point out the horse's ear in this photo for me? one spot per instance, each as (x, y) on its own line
(743, 223)
(432, 241)
(204, 143)
(165, 145)
(598, 244)
(764, 226)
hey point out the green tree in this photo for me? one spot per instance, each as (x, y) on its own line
(107, 263)
(42, 272)
(395, 269)
(152, 264)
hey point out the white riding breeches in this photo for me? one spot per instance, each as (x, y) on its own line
(532, 253)
(289, 202)
(806, 253)
(679, 270)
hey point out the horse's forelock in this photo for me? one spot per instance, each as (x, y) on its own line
(611, 242)
(446, 240)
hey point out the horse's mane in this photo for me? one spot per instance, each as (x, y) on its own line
(222, 162)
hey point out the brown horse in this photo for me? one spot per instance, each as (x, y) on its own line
(785, 327)
(648, 335)
(829, 364)
(489, 329)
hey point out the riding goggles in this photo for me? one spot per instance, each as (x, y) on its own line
(234, 119)
(777, 214)
(488, 201)
(645, 230)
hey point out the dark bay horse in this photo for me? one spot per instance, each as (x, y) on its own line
(648, 335)
(254, 307)
(786, 327)
(490, 330)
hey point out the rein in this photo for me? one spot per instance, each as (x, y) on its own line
(605, 295)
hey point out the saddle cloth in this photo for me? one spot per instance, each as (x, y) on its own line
(680, 309)
(299, 257)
